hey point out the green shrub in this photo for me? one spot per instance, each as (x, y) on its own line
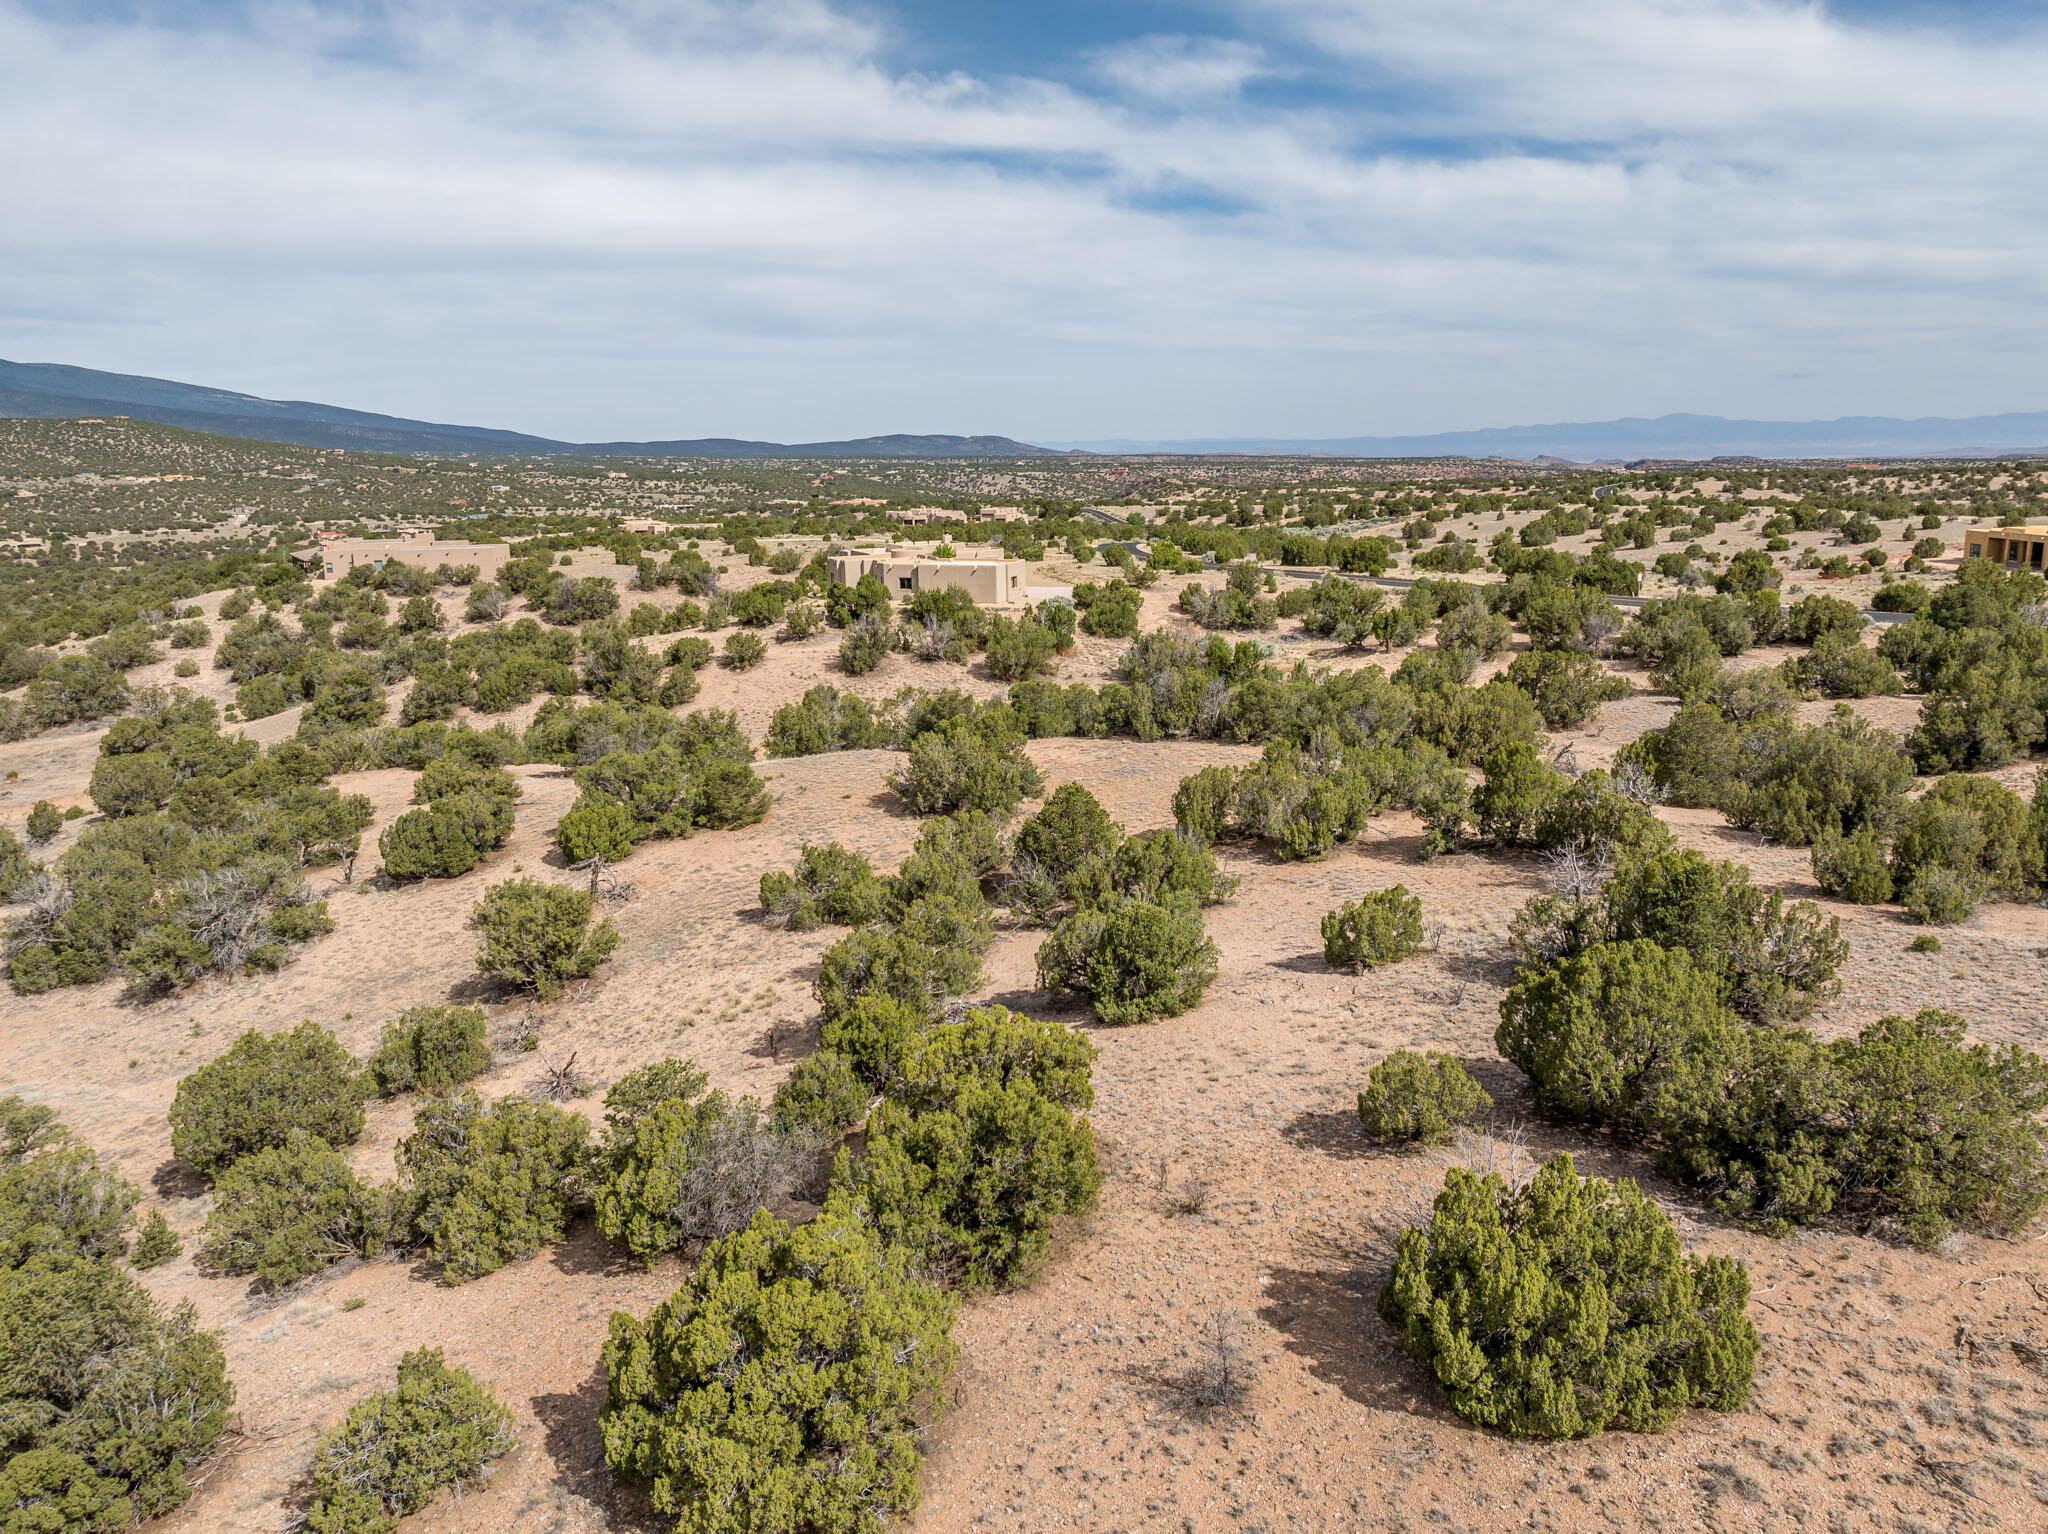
(15, 868)
(1975, 827)
(1472, 626)
(59, 1199)
(1154, 866)
(1904, 1120)
(694, 1169)
(865, 646)
(448, 838)
(642, 1090)
(846, 606)
(831, 885)
(1777, 961)
(1936, 1134)
(74, 687)
(1419, 1097)
(286, 1212)
(1454, 556)
(1926, 942)
(158, 1243)
(131, 784)
(873, 1033)
(1067, 832)
(261, 1089)
(1380, 927)
(1304, 806)
(1468, 723)
(1135, 960)
(1839, 666)
(784, 1384)
(538, 936)
(1203, 804)
(44, 822)
(430, 1049)
(1113, 612)
(1792, 783)
(1014, 650)
(1518, 790)
(1811, 617)
(823, 1097)
(1568, 1308)
(488, 1186)
(963, 766)
(688, 652)
(1940, 896)
(826, 719)
(1567, 686)
(696, 773)
(111, 1401)
(875, 962)
(972, 1175)
(1591, 814)
(595, 828)
(1852, 867)
(1595, 1032)
(395, 1449)
(744, 651)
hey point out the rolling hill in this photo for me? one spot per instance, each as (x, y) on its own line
(47, 391)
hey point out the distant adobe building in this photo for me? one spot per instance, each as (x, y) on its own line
(991, 582)
(2014, 547)
(335, 557)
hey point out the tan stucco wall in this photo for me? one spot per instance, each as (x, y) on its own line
(342, 555)
(991, 582)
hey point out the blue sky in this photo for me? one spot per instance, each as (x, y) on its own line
(800, 219)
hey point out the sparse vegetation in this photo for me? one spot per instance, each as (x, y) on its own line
(187, 857)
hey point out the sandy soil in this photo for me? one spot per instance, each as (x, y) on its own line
(1889, 1395)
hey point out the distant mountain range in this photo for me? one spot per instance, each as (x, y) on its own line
(46, 390)
(1667, 436)
(51, 390)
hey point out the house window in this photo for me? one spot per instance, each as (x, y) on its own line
(904, 582)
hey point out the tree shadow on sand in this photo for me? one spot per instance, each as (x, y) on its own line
(1326, 1317)
(1331, 1132)
(572, 1438)
(177, 1179)
(583, 1253)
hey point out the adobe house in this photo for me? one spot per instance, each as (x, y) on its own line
(2017, 548)
(334, 558)
(991, 582)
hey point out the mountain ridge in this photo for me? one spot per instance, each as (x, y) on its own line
(1677, 436)
(57, 390)
(48, 390)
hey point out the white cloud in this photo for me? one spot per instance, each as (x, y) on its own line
(1180, 70)
(683, 217)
